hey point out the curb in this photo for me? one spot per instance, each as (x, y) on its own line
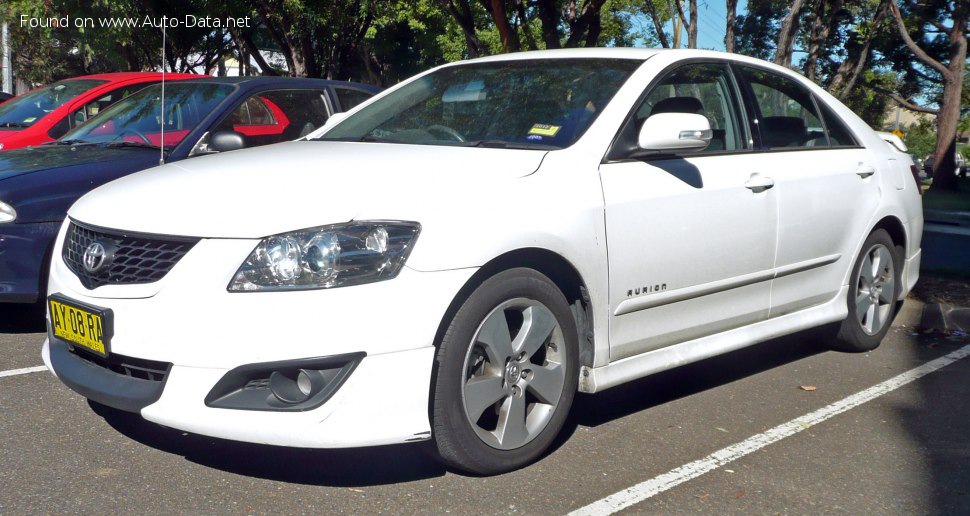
(945, 318)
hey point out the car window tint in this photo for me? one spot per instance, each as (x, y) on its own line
(138, 118)
(787, 113)
(704, 89)
(25, 110)
(535, 104)
(275, 116)
(839, 134)
(91, 109)
(349, 98)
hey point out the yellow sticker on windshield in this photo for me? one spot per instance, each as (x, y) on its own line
(545, 129)
(29, 120)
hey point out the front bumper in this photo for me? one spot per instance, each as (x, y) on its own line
(189, 320)
(23, 248)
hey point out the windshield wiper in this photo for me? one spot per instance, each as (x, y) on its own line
(75, 141)
(377, 139)
(13, 124)
(134, 145)
(502, 144)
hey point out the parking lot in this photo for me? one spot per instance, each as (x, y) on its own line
(905, 450)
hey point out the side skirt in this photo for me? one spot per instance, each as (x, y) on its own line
(601, 378)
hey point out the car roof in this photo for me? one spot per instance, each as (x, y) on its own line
(571, 53)
(124, 76)
(253, 81)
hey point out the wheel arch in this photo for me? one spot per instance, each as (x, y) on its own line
(552, 265)
(896, 231)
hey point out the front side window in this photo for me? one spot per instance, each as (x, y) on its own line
(543, 104)
(703, 89)
(138, 119)
(27, 109)
(787, 115)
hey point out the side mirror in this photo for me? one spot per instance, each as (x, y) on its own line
(224, 141)
(675, 132)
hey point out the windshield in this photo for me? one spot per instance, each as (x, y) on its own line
(27, 109)
(543, 104)
(136, 119)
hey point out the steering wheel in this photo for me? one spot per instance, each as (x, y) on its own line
(445, 130)
(137, 133)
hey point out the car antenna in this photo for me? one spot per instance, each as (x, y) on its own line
(161, 148)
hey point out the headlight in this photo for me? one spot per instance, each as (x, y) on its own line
(327, 257)
(7, 213)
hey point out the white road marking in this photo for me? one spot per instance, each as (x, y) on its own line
(644, 490)
(26, 370)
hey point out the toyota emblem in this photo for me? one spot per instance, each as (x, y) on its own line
(94, 257)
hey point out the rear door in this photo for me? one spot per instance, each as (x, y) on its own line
(826, 184)
(690, 237)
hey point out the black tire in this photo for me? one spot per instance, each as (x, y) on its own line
(464, 354)
(859, 333)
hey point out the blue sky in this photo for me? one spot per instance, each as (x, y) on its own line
(712, 16)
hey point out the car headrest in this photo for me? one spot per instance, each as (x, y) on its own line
(678, 105)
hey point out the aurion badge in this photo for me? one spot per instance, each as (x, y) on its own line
(94, 257)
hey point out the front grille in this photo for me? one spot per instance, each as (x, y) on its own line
(140, 368)
(127, 258)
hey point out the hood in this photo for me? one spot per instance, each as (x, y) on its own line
(289, 186)
(18, 162)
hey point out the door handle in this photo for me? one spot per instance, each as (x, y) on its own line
(759, 183)
(865, 170)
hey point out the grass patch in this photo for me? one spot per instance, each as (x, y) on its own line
(947, 201)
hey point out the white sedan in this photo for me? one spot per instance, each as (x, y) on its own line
(460, 255)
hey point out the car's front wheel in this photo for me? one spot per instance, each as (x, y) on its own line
(506, 374)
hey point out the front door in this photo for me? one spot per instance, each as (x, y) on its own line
(691, 238)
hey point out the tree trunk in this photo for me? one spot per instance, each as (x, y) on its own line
(823, 22)
(549, 17)
(524, 23)
(676, 21)
(857, 59)
(582, 20)
(786, 36)
(658, 24)
(944, 167)
(462, 14)
(510, 40)
(692, 28)
(732, 8)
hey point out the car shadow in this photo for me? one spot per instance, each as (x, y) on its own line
(15, 318)
(592, 410)
(371, 466)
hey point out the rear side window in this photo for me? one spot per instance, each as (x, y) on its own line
(787, 116)
(839, 134)
(349, 98)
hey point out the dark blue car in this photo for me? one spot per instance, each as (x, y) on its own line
(201, 116)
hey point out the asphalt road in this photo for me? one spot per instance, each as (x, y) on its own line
(905, 452)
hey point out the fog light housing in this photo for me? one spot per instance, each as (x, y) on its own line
(290, 388)
(291, 385)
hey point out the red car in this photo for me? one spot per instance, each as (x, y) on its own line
(47, 113)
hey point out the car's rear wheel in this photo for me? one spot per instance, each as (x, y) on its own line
(506, 374)
(873, 289)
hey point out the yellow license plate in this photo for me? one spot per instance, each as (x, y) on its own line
(84, 326)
